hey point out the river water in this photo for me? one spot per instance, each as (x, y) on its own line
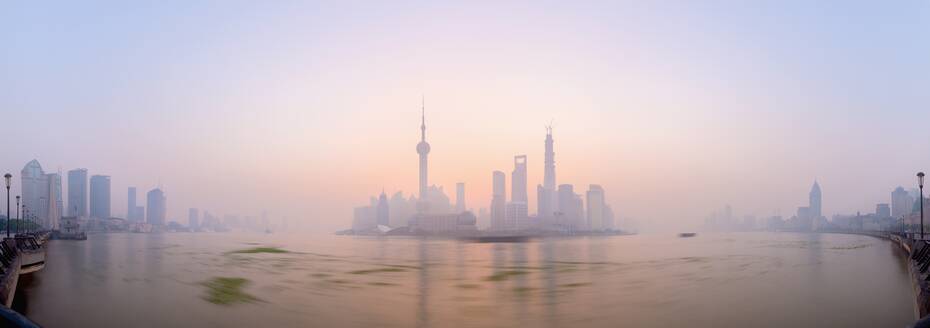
(712, 280)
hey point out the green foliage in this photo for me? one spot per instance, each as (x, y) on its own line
(256, 250)
(227, 291)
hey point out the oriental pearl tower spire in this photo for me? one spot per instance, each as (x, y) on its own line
(423, 150)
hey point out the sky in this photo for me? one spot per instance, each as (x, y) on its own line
(305, 109)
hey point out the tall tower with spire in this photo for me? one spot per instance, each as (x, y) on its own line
(815, 199)
(546, 196)
(423, 150)
(549, 177)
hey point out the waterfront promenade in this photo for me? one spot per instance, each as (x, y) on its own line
(19, 255)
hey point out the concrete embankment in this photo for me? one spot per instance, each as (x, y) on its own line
(917, 265)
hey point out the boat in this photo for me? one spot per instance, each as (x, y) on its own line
(687, 234)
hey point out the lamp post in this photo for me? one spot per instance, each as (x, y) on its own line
(8, 178)
(18, 221)
(920, 183)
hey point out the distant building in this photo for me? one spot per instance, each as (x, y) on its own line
(100, 196)
(156, 207)
(815, 201)
(609, 220)
(546, 193)
(41, 194)
(383, 210)
(401, 209)
(498, 200)
(77, 193)
(464, 222)
(571, 213)
(460, 197)
(883, 210)
(364, 218)
(423, 149)
(515, 217)
(595, 202)
(193, 219)
(56, 204)
(518, 180)
(901, 203)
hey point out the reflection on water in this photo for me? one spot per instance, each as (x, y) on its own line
(744, 279)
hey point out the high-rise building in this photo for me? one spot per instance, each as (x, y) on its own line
(546, 196)
(131, 204)
(55, 201)
(901, 203)
(156, 207)
(100, 196)
(35, 190)
(460, 197)
(193, 218)
(595, 209)
(423, 150)
(518, 180)
(569, 214)
(77, 193)
(383, 210)
(882, 210)
(41, 194)
(549, 173)
(609, 220)
(815, 201)
(498, 199)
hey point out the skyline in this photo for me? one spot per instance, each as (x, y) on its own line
(245, 107)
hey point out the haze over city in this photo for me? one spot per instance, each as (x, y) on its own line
(305, 109)
(629, 163)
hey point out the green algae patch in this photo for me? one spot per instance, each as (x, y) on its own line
(377, 270)
(258, 250)
(382, 284)
(468, 286)
(227, 291)
(577, 284)
(504, 275)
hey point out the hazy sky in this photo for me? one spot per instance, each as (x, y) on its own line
(306, 109)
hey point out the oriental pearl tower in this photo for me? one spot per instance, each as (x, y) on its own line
(423, 150)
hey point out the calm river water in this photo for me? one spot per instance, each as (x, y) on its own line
(712, 280)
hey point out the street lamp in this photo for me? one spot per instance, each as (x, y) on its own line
(920, 183)
(18, 221)
(8, 178)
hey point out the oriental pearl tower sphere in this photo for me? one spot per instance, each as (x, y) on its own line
(423, 149)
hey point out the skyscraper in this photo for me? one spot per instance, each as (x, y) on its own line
(383, 211)
(518, 180)
(193, 218)
(77, 193)
(546, 196)
(815, 201)
(549, 173)
(156, 207)
(460, 197)
(423, 150)
(131, 204)
(35, 190)
(41, 194)
(55, 201)
(901, 203)
(498, 199)
(100, 196)
(566, 207)
(595, 202)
